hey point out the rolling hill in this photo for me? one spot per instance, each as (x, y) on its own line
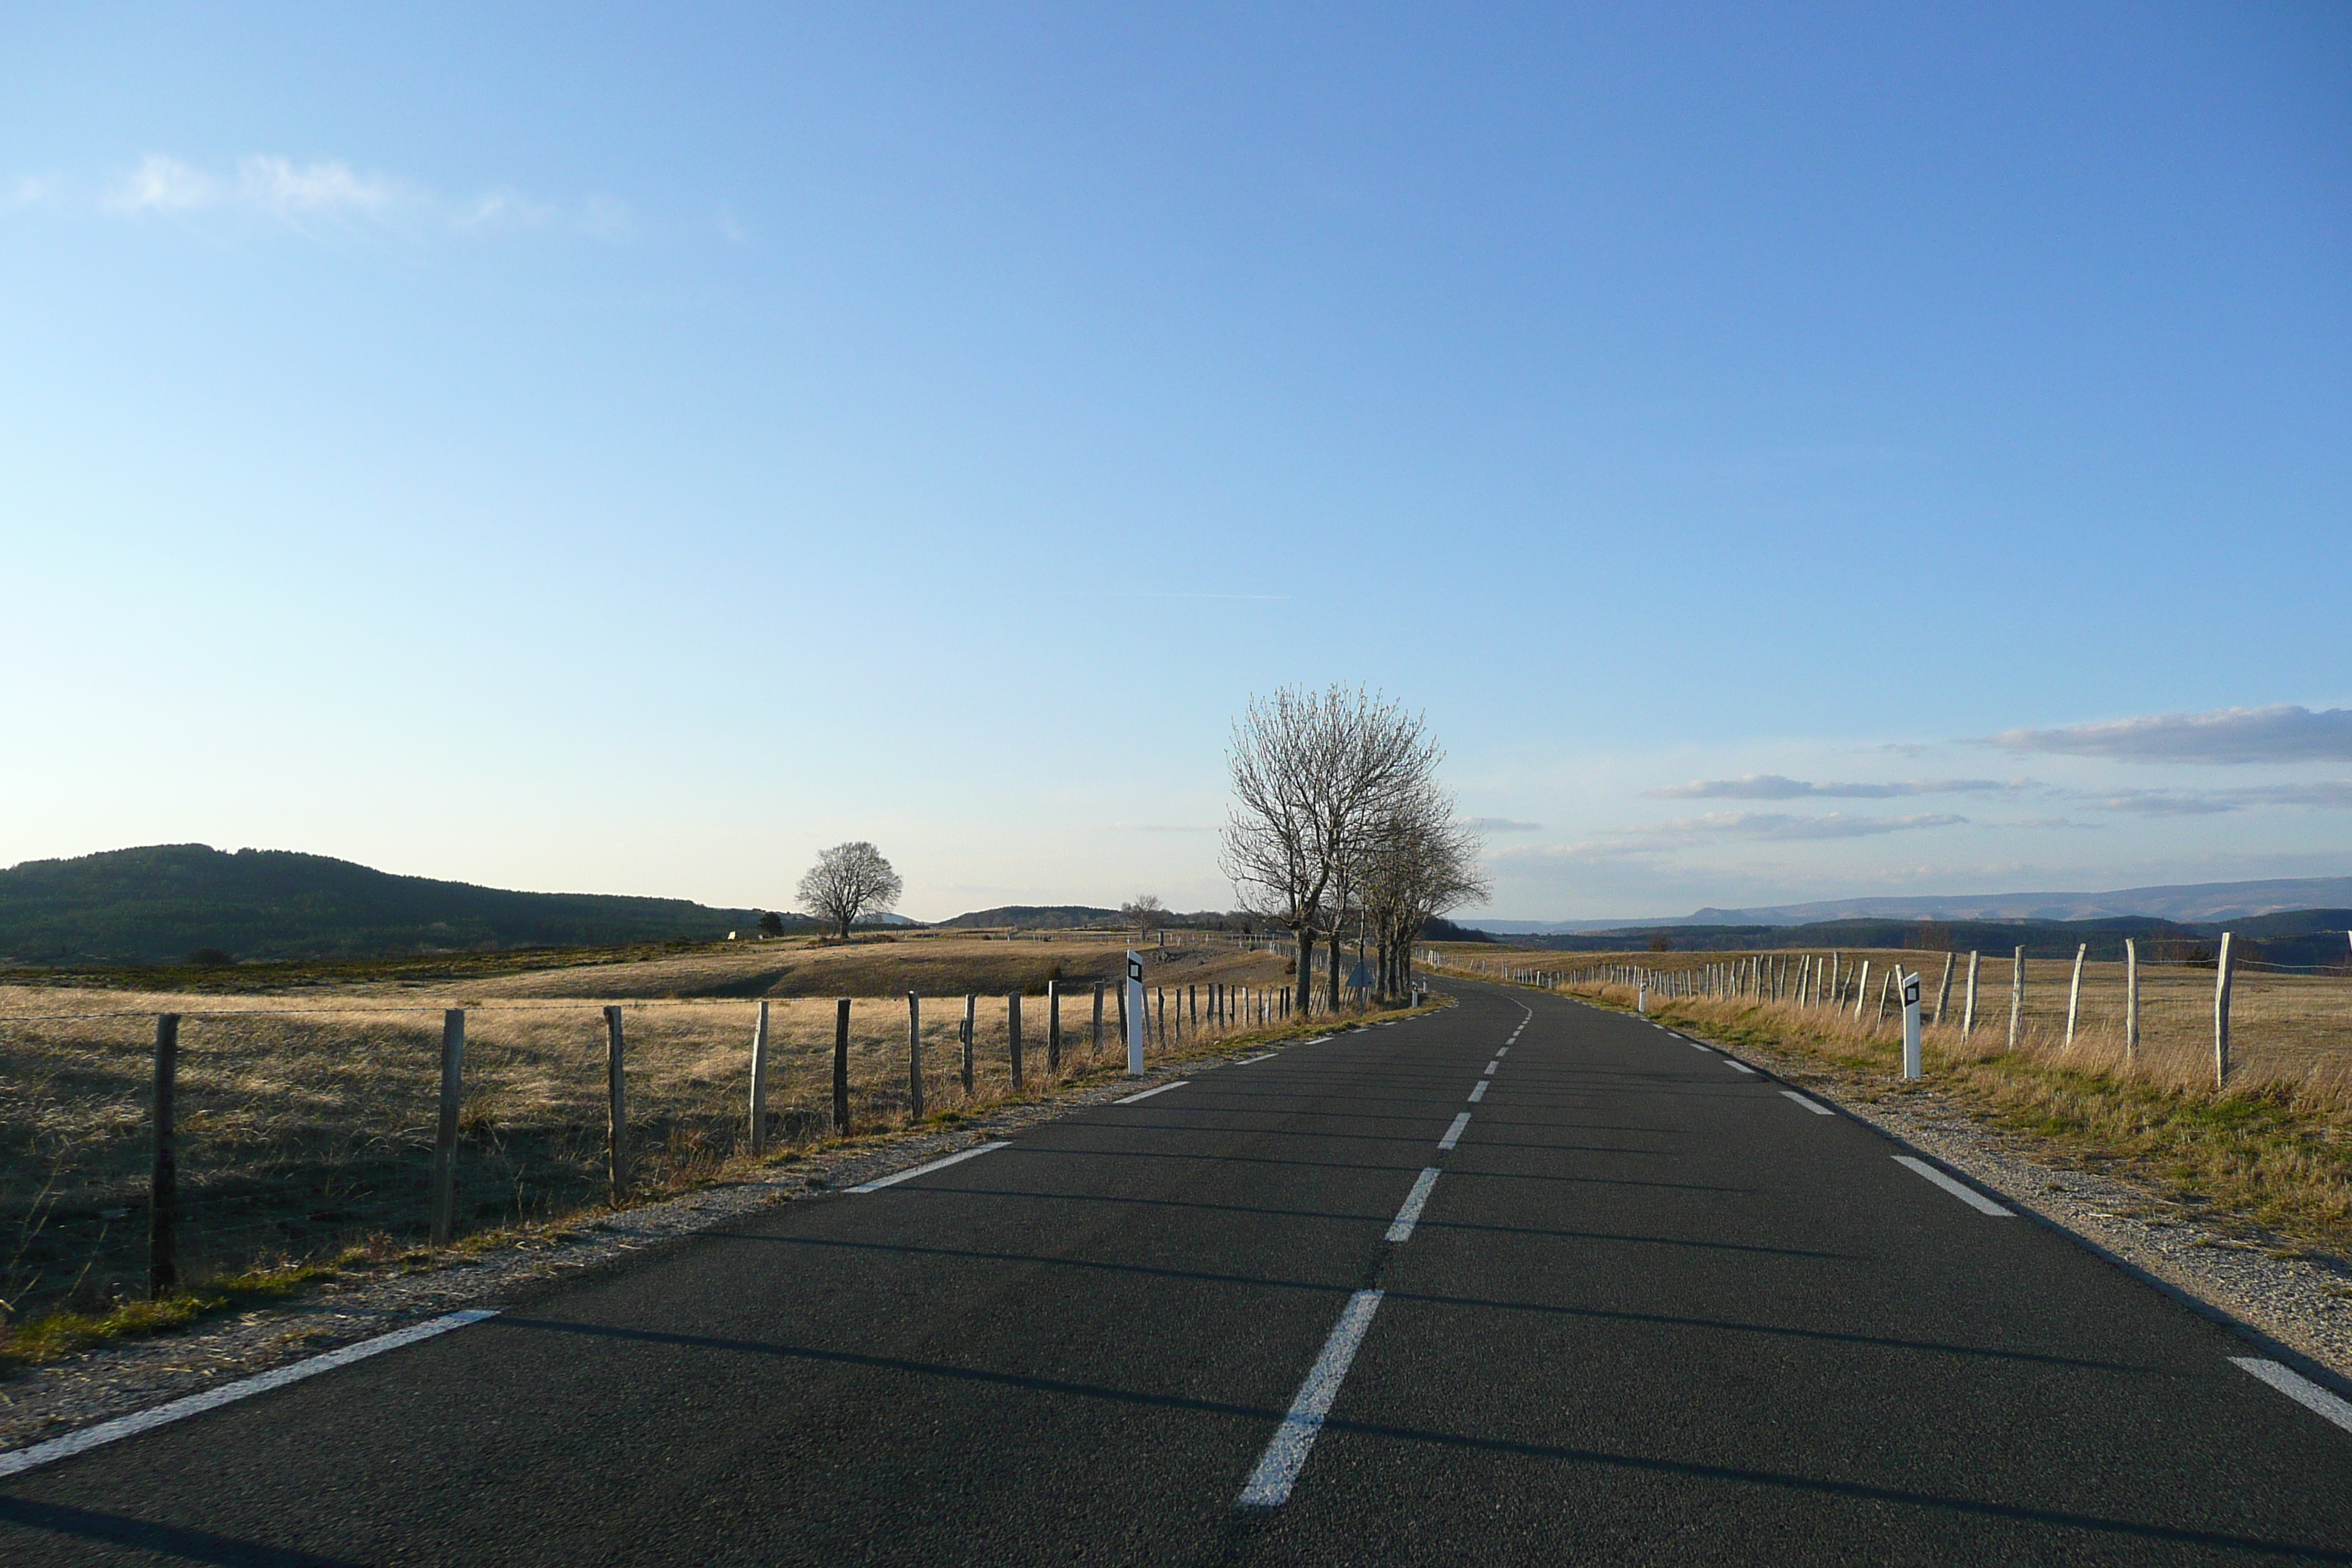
(164, 901)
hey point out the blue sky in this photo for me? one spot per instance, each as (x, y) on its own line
(613, 450)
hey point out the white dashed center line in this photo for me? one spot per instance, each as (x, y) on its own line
(1491, 1066)
(1408, 1216)
(1454, 1133)
(1961, 1190)
(1479, 1093)
(1277, 1471)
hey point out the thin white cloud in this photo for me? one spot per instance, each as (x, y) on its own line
(1501, 825)
(330, 192)
(1660, 837)
(2323, 795)
(2279, 734)
(1774, 787)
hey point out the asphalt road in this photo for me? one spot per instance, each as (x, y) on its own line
(1653, 1308)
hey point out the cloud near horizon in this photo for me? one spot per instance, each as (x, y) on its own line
(1774, 787)
(1659, 837)
(2280, 734)
(1501, 825)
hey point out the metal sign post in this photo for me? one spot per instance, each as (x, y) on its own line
(1911, 1027)
(1135, 1020)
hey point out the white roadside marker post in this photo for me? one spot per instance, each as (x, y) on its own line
(1135, 1019)
(1641, 998)
(1911, 1067)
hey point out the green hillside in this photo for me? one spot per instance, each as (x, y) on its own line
(161, 903)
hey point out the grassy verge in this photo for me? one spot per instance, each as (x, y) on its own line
(2273, 1157)
(55, 1336)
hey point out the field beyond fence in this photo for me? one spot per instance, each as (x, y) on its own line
(301, 1132)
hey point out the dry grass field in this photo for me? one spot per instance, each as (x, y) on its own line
(307, 1121)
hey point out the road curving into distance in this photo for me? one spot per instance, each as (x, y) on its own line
(1519, 1281)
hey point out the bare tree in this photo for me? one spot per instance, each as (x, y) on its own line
(1145, 912)
(848, 882)
(1419, 860)
(1311, 771)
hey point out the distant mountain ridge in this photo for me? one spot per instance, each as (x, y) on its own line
(2189, 902)
(163, 901)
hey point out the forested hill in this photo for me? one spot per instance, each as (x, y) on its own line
(161, 903)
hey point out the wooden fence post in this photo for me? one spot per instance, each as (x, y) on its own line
(841, 1065)
(1944, 991)
(1094, 1045)
(1122, 989)
(1968, 1010)
(2131, 999)
(2075, 992)
(2016, 996)
(1013, 1030)
(2221, 976)
(617, 1093)
(163, 1182)
(445, 1137)
(1053, 1028)
(760, 1082)
(1862, 990)
(970, 1010)
(1160, 1005)
(914, 1057)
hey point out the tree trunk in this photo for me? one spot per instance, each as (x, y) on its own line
(1332, 969)
(1306, 961)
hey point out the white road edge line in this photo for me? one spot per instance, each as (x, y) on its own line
(1815, 1106)
(1743, 1066)
(1454, 1133)
(1277, 1471)
(122, 1427)
(2296, 1386)
(1401, 1229)
(924, 1170)
(1157, 1088)
(1253, 1062)
(1479, 1093)
(1693, 1044)
(1961, 1190)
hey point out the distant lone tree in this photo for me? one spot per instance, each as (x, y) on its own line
(771, 924)
(1145, 912)
(849, 882)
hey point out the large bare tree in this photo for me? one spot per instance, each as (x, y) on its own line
(849, 882)
(1311, 773)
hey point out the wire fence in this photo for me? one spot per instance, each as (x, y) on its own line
(2169, 1020)
(297, 1134)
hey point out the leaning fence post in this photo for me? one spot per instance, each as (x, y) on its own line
(1944, 992)
(2223, 970)
(163, 1183)
(1013, 1030)
(2131, 999)
(445, 1138)
(1093, 1047)
(1969, 1011)
(970, 1007)
(760, 1082)
(841, 1065)
(1053, 1028)
(1862, 990)
(616, 1091)
(2075, 992)
(914, 1057)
